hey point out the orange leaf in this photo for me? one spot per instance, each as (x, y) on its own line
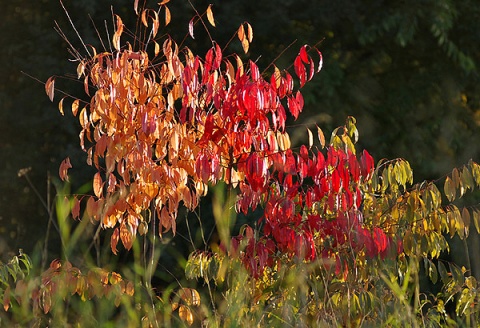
(115, 278)
(6, 299)
(97, 184)
(118, 33)
(60, 106)
(190, 296)
(129, 289)
(185, 314)
(50, 87)
(249, 32)
(114, 240)
(126, 236)
(75, 104)
(168, 17)
(210, 15)
(63, 170)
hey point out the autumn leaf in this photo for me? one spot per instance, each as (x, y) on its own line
(75, 106)
(185, 314)
(114, 240)
(168, 16)
(210, 15)
(50, 87)
(190, 27)
(60, 106)
(321, 137)
(97, 184)
(63, 170)
(6, 298)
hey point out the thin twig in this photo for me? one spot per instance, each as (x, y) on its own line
(74, 28)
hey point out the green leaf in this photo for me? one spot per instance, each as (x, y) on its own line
(476, 220)
(442, 270)
(432, 272)
(457, 274)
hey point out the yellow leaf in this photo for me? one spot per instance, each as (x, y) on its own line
(80, 69)
(249, 32)
(190, 296)
(310, 138)
(449, 189)
(321, 137)
(60, 106)
(210, 15)
(241, 33)
(185, 314)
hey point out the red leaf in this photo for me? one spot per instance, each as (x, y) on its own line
(218, 57)
(366, 164)
(303, 54)
(300, 70)
(254, 71)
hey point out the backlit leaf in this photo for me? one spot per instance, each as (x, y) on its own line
(190, 27)
(50, 87)
(60, 106)
(185, 314)
(449, 189)
(63, 169)
(210, 15)
(310, 138)
(75, 106)
(321, 137)
(168, 16)
(114, 240)
(249, 33)
(97, 184)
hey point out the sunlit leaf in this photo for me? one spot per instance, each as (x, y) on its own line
(310, 138)
(210, 15)
(168, 16)
(50, 87)
(190, 27)
(185, 314)
(75, 106)
(449, 189)
(97, 184)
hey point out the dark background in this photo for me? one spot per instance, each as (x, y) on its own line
(407, 70)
